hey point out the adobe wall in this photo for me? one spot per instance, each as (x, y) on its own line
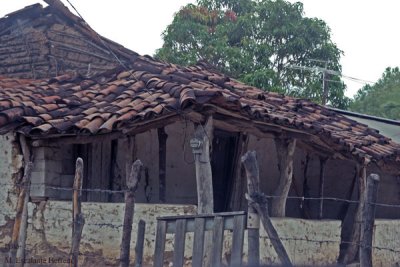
(10, 165)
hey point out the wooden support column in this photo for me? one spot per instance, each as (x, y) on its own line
(368, 219)
(18, 238)
(259, 202)
(77, 220)
(322, 164)
(351, 254)
(162, 163)
(239, 180)
(285, 150)
(132, 183)
(201, 144)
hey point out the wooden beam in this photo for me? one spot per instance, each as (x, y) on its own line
(77, 217)
(21, 212)
(285, 151)
(259, 202)
(76, 139)
(132, 183)
(162, 163)
(28, 160)
(201, 144)
(322, 165)
(351, 254)
(368, 215)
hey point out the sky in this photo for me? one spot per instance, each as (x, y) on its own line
(366, 30)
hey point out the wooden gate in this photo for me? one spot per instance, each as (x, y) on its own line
(199, 225)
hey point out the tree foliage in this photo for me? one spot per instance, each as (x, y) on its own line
(256, 41)
(382, 98)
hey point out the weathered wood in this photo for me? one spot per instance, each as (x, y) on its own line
(368, 216)
(218, 238)
(28, 158)
(239, 181)
(160, 243)
(162, 163)
(253, 220)
(140, 243)
(237, 240)
(179, 242)
(77, 218)
(198, 242)
(132, 183)
(201, 149)
(352, 252)
(21, 212)
(322, 164)
(259, 202)
(285, 151)
(67, 140)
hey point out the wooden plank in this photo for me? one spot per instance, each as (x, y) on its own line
(132, 183)
(239, 181)
(368, 215)
(322, 166)
(94, 181)
(218, 238)
(78, 220)
(105, 182)
(203, 215)
(179, 242)
(259, 202)
(140, 244)
(285, 151)
(209, 224)
(237, 240)
(160, 243)
(162, 163)
(198, 242)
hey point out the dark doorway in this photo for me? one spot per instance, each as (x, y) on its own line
(222, 166)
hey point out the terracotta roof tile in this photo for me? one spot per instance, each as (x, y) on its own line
(72, 104)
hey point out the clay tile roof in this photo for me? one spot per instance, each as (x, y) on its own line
(42, 42)
(117, 100)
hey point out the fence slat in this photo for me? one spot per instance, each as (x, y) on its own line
(198, 242)
(237, 240)
(160, 243)
(218, 238)
(179, 243)
(139, 244)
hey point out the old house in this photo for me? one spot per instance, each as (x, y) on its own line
(119, 106)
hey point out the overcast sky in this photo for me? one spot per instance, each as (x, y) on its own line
(366, 30)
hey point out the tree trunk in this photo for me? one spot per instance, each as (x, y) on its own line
(285, 150)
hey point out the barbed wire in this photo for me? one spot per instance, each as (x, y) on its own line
(109, 191)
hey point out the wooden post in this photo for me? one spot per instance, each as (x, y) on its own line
(77, 220)
(201, 149)
(285, 150)
(253, 220)
(132, 183)
(140, 243)
(162, 163)
(368, 216)
(351, 253)
(21, 213)
(239, 183)
(259, 201)
(322, 163)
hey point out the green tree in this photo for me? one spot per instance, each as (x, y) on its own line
(382, 98)
(257, 42)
